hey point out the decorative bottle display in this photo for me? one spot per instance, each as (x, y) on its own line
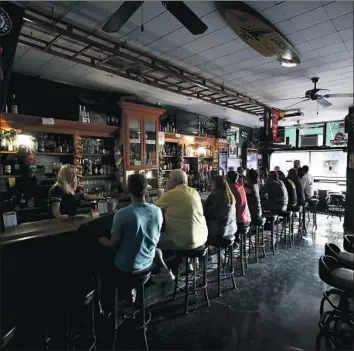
(168, 126)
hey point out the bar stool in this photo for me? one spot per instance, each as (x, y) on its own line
(348, 243)
(8, 338)
(259, 225)
(242, 232)
(225, 244)
(133, 281)
(346, 259)
(296, 210)
(272, 222)
(287, 224)
(313, 203)
(202, 254)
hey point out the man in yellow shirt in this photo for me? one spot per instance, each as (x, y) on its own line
(185, 225)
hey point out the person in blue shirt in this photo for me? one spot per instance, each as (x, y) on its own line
(136, 231)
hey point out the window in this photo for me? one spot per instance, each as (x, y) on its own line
(336, 136)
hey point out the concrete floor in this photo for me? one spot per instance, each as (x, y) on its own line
(276, 305)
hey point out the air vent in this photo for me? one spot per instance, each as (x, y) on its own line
(311, 140)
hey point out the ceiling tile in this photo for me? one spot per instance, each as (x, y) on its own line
(296, 38)
(261, 5)
(346, 34)
(319, 30)
(329, 50)
(349, 44)
(344, 55)
(343, 22)
(310, 55)
(274, 14)
(326, 40)
(339, 8)
(310, 18)
(340, 64)
(286, 27)
(303, 47)
(21, 50)
(295, 8)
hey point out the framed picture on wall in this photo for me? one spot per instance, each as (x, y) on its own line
(233, 139)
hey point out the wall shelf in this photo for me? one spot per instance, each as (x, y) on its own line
(54, 154)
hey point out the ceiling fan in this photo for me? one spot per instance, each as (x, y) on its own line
(177, 8)
(313, 95)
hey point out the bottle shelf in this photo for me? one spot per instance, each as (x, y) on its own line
(104, 176)
(9, 176)
(8, 152)
(168, 156)
(98, 155)
(54, 154)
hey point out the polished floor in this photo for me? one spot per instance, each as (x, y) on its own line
(275, 306)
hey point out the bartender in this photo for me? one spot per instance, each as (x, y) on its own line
(65, 196)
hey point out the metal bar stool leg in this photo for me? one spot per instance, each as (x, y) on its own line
(176, 284)
(232, 267)
(219, 271)
(263, 242)
(277, 233)
(195, 280)
(257, 243)
(272, 237)
(186, 289)
(241, 255)
(245, 248)
(205, 278)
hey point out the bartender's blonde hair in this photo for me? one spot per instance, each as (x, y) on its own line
(66, 177)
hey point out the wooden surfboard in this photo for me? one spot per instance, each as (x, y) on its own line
(257, 31)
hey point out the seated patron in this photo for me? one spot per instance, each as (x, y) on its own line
(243, 216)
(293, 175)
(65, 195)
(307, 183)
(136, 231)
(220, 211)
(185, 225)
(253, 196)
(291, 189)
(274, 194)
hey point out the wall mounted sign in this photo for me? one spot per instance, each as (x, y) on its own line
(340, 139)
(210, 124)
(256, 31)
(244, 133)
(275, 119)
(5, 22)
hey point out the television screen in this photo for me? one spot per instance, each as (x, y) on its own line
(187, 123)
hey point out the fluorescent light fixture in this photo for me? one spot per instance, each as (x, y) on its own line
(286, 63)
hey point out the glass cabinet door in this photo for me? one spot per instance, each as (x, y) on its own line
(135, 142)
(150, 154)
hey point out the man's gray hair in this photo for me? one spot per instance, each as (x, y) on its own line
(178, 177)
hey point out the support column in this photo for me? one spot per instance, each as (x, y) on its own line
(266, 123)
(349, 204)
(13, 16)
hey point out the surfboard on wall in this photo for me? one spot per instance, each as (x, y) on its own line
(256, 31)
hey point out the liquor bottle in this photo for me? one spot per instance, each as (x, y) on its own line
(84, 120)
(22, 203)
(108, 121)
(16, 168)
(88, 118)
(14, 104)
(174, 127)
(81, 115)
(58, 148)
(41, 143)
(66, 147)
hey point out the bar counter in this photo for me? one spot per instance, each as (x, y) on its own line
(41, 229)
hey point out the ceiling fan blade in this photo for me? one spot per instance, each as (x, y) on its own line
(121, 16)
(293, 98)
(186, 16)
(323, 102)
(286, 108)
(338, 95)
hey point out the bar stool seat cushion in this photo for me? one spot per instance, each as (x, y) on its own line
(197, 252)
(313, 200)
(296, 208)
(347, 260)
(259, 221)
(286, 214)
(343, 278)
(224, 242)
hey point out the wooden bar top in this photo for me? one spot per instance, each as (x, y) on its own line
(41, 229)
